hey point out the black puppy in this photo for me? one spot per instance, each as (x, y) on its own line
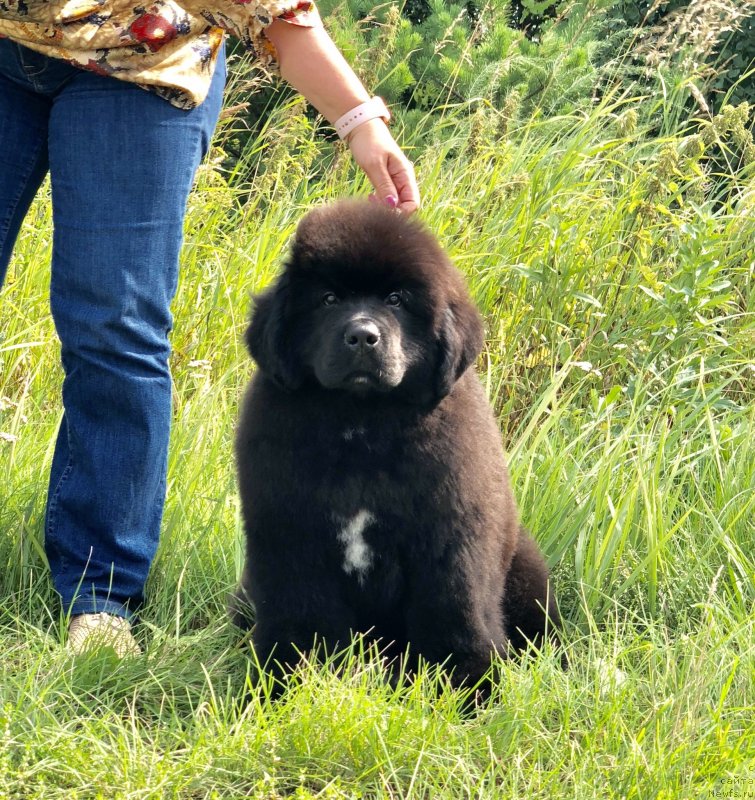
(374, 490)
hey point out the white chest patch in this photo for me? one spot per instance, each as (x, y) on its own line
(357, 556)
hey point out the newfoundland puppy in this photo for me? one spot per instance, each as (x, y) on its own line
(374, 491)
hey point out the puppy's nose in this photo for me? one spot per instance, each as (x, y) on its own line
(361, 334)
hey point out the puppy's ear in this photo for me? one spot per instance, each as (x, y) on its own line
(267, 337)
(459, 344)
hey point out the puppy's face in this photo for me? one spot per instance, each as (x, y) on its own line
(368, 303)
(359, 340)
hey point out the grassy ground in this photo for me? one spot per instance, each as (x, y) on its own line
(614, 269)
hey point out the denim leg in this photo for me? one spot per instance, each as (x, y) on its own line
(122, 162)
(23, 149)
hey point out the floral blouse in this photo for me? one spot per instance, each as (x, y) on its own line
(168, 48)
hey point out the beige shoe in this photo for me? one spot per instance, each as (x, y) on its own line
(88, 632)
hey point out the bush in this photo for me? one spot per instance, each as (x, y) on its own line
(715, 39)
(430, 58)
(451, 55)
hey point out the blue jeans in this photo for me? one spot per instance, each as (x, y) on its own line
(121, 163)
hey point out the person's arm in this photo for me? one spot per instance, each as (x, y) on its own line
(313, 65)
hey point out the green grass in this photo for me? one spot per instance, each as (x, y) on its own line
(614, 272)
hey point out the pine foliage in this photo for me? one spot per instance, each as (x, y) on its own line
(432, 59)
(462, 53)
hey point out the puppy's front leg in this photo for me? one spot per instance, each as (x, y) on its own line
(452, 619)
(296, 624)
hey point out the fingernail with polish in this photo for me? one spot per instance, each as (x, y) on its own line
(391, 201)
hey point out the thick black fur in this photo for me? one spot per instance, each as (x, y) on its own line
(374, 490)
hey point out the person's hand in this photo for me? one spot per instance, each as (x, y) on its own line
(314, 66)
(388, 169)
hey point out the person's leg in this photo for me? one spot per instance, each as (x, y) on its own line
(23, 147)
(122, 162)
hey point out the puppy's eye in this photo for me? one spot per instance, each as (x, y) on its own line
(393, 299)
(329, 299)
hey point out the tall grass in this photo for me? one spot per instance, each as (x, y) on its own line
(614, 271)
